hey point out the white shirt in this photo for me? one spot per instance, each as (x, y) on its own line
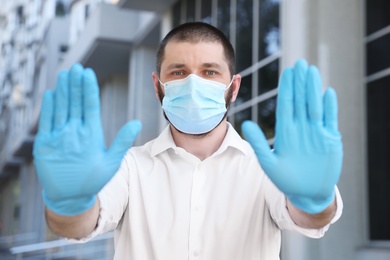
(166, 204)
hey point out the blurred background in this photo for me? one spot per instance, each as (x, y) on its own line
(348, 40)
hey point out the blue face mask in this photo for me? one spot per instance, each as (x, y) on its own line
(194, 105)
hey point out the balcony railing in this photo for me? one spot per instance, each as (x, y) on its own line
(99, 248)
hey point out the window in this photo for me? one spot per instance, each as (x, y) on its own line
(9, 199)
(190, 10)
(86, 11)
(176, 14)
(60, 9)
(244, 25)
(20, 18)
(223, 16)
(378, 116)
(206, 11)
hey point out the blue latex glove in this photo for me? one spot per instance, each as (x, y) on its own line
(307, 158)
(70, 157)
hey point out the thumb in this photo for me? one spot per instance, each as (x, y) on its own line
(257, 140)
(124, 139)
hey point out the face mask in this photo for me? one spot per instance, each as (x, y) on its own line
(194, 105)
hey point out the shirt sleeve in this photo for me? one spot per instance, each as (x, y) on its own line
(277, 205)
(113, 202)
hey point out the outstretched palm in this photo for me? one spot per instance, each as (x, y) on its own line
(69, 152)
(307, 157)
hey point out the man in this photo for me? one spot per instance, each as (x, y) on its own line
(198, 190)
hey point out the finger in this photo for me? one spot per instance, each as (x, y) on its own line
(61, 100)
(75, 91)
(46, 116)
(257, 140)
(330, 110)
(124, 139)
(285, 99)
(91, 102)
(300, 73)
(314, 95)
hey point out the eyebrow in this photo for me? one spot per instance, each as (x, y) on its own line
(175, 66)
(212, 65)
(206, 65)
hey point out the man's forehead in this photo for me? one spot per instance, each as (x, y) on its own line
(209, 54)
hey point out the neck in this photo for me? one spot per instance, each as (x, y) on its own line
(201, 146)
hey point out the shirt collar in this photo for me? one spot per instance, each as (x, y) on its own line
(163, 142)
(232, 139)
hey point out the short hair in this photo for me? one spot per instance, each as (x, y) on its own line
(195, 32)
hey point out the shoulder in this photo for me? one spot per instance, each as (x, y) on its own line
(142, 151)
(234, 140)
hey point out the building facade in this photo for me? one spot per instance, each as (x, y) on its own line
(23, 27)
(347, 40)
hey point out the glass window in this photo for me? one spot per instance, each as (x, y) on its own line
(60, 9)
(10, 206)
(223, 17)
(87, 11)
(245, 92)
(206, 11)
(378, 54)
(269, 40)
(378, 123)
(20, 15)
(176, 14)
(190, 11)
(378, 15)
(268, 77)
(244, 34)
(240, 117)
(378, 114)
(266, 116)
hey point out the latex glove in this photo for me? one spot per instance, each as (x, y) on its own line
(70, 157)
(307, 158)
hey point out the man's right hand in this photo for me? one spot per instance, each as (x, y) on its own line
(70, 157)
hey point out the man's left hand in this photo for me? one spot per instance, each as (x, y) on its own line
(307, 158)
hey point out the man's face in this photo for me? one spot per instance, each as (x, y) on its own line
(205, 59)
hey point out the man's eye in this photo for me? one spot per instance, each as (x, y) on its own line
(177, 73)
(210, 73)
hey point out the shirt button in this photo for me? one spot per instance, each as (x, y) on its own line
(196, 253)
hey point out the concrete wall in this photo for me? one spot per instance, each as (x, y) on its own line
(114, 114)
(143, 104)
(329, 34)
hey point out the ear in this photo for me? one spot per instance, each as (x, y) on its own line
(236, 86)
(156, 84)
